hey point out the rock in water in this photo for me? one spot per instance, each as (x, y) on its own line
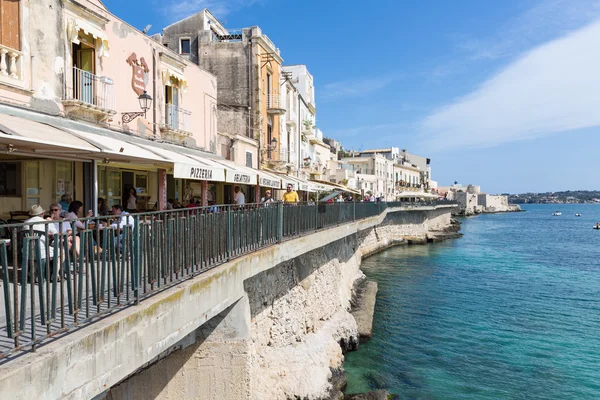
(376, 395)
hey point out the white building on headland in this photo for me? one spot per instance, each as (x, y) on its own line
(472, 201)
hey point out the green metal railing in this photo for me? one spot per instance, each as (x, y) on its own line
(57, 275)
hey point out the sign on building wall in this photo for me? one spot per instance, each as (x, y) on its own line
(140, 74)
(198, 172)
(241, 177)
(268, 182)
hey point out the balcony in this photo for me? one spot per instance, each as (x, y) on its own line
(89, 96)
(175, 123)
(276, 104)
(11, 64)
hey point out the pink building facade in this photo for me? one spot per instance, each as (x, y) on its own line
(75, 117)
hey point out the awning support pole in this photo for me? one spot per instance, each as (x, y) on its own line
(95, 186)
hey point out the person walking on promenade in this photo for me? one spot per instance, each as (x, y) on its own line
(290, 196)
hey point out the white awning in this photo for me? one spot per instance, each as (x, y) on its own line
(116, 149)
(75, 25)
(237, 173)
(169, 73)
(189, 167)
(266, 179)
(297, 183)
(198, 171)
(416, 194)
(19, 133)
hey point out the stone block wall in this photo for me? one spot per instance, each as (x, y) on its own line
(299, 315)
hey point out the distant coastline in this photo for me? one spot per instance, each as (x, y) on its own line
(565, 197)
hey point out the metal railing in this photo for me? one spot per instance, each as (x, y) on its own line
(276, 101)
(422, 203)
(90, 89)
(57, 275)
(175, 117)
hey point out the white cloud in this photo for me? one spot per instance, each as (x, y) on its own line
(553, 88)
(357, 87)
(178, 9)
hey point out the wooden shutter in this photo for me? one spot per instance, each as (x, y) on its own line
(248, 159)
(10, 32)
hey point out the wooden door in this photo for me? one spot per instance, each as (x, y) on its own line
(10, 23)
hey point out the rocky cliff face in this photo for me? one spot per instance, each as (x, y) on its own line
(300, 311)
(300, 321)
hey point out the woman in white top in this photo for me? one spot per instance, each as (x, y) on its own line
(55, 211)
(132, 201)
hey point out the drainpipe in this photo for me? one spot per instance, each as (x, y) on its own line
(154, 92)
(299, 136)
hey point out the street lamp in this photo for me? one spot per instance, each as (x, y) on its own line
(145, 102)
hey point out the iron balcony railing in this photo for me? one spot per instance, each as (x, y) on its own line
(90, 89)
(275, 101)
(176, 118)
(57, 275)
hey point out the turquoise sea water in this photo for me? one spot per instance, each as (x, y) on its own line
(510, 311)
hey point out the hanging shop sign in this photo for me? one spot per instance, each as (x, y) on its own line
(140, 74)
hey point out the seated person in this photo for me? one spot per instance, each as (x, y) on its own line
(122, 219)
(36, 213)
(55, 215)
(73, 214)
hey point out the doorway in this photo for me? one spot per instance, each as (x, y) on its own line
(84, 69)
(172, 106)
(128, 183)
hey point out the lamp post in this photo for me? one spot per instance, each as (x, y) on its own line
(145, 102)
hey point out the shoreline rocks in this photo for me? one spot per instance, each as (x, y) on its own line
(375, 395)
(363, 308)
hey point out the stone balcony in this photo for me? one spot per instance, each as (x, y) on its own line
(88, 96)
(276, 104)
(175, 123)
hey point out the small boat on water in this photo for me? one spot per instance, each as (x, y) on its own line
(597, 226)
(556, 214)
(578, 215)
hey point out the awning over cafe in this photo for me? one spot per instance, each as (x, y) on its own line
(118, 149)
(187, 166)
(22, 135)
(238, 174)
(420, 195)
(329, 186)
(266, 179)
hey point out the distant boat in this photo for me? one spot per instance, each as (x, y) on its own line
(578, 215)
(597, 226)
(556, 214)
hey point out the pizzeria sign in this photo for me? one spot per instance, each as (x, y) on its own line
(198, 172)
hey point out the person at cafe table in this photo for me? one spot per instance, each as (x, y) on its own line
(122, 219)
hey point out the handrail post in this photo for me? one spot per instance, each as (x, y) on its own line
(136, 264)
(229, 232)
(280, 222)
(353, 211)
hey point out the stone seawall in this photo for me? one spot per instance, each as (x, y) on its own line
(285, 336)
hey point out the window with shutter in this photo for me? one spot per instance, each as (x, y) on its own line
(10, 32)
(248, 159)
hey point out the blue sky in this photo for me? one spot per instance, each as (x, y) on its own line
(504, 94)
